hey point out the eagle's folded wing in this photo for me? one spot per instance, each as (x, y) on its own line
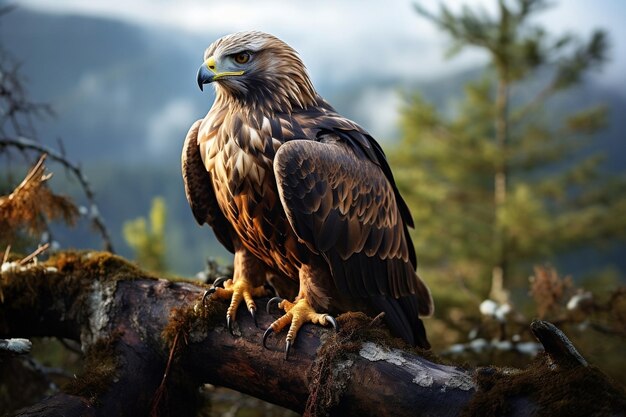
(199, 190)
(343, 207)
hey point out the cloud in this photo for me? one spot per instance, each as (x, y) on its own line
(167, 128)
(348, 37)
(340, 39)
(378, 110)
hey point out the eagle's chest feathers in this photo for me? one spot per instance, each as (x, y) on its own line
(239, 154)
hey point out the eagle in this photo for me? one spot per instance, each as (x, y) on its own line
(300, 194)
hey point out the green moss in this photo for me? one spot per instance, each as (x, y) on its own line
(62, 277)
(17, 289)
(99, 371)
(194, 321)
(580, 390)
(97, 264)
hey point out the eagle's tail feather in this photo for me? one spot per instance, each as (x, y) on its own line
(425, 299)
(403, 319)
(410, 306)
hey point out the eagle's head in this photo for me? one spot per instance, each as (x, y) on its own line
(257, 69)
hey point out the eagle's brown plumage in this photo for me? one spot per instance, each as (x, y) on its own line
(295, 189)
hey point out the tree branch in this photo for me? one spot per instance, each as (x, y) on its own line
(125, 320)
(24, 144)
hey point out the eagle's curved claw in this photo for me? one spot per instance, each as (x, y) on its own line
(332, 321)
(287, 348)
(267, 333)
(253, 314)
(219, 282)
(206, 294)
(277, 300)
(229, 324)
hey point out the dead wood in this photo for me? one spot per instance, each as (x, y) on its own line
(126, 321)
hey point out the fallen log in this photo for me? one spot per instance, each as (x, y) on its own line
(128, 324)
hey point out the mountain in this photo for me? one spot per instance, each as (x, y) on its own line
(125, 95)
(117, 89)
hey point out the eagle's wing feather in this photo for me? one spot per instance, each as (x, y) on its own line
(199, 190)
(343, 207)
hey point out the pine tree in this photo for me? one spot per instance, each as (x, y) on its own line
(509, 180)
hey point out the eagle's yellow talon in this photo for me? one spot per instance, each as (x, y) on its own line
(296, 314)
(286, 305)
(237, 291)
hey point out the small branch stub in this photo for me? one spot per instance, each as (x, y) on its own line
(557, 345)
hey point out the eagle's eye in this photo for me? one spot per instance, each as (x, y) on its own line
(242, 57)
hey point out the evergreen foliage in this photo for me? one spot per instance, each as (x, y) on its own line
(509, 179)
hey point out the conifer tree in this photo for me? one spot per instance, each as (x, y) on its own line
(509, 179)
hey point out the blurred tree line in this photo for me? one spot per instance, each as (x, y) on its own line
(507, 181)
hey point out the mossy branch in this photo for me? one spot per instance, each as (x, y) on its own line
(127, 320)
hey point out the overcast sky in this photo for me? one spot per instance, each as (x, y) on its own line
(341, 38)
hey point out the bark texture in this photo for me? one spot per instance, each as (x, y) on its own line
(126, 322)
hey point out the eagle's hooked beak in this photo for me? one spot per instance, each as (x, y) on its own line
(207, 73)
(204, 76)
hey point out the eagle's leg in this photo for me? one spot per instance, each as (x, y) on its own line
(247, 283)
(313, 280)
